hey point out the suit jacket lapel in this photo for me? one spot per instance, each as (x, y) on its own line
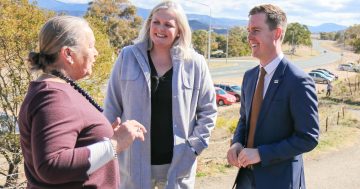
(274, 84)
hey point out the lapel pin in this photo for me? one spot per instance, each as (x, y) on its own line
(276, 81)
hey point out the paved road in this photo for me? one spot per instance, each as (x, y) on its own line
(242, 65)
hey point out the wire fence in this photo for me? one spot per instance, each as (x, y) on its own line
(332, 119)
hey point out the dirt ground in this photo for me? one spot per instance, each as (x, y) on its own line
(337, 170)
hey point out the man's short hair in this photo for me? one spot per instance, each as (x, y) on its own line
(275, 16)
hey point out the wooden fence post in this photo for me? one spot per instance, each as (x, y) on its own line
(343, 112)
(355, 84)
(350, 86)
(326, 128)
(338, 117)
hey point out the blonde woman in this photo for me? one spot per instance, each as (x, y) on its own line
(164, 84)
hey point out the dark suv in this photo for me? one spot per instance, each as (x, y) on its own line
(231, 89)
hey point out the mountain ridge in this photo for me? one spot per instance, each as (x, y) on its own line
(196, 21)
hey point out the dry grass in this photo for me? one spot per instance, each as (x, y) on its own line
(302, 52)
(213, 161)
(221, 64)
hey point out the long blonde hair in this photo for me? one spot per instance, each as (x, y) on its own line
(183, 41)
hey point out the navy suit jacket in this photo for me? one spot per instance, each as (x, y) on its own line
(287, 125)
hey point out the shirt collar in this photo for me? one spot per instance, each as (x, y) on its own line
(269, 68)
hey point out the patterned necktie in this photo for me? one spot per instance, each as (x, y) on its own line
(255, 108)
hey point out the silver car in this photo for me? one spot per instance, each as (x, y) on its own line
(320, 78)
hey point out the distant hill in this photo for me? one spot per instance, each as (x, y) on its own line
(201, 22)
(327, 27)
(143, 13)
(217, 22)
(197, 25)
(74, 9)
(196, 21)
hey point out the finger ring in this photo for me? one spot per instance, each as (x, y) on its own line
(138, 129)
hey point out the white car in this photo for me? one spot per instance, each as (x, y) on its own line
(349, 67)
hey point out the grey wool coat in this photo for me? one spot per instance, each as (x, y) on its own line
(193, 108)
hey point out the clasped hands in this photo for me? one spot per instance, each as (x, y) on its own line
(125, 133)
(239, 156)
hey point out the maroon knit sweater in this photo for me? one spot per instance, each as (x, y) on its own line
(56, 123)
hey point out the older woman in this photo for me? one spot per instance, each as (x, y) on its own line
(65, 139)
(165, 85)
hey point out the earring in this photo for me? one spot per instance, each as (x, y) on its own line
(71, 61)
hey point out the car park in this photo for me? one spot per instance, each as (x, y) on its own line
(224, 98)
(231, 89)
(320, 78)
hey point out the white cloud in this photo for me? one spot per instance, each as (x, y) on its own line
(332, 4)
(309, 12)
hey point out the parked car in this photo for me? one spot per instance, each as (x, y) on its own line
(348, 67)
(320, 78)
(231, 89)
(325, 73)
(224, 98)
(356, 67)
(330, 73)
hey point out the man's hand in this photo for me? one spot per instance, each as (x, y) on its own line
(232, 154)
(248, 156)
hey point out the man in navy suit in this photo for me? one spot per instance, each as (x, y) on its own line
(278, 115)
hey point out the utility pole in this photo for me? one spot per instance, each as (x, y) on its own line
(227, 44)
(209, 41)
(292, 44)
(342, 51)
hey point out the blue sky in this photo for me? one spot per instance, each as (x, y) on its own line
(309, 12)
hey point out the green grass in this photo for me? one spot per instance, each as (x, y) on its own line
(229, 123)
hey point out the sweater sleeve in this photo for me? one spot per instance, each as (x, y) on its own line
(56, 124)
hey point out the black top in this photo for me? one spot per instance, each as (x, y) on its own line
(162, 137)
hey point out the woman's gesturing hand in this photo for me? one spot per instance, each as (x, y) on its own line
(125, 133)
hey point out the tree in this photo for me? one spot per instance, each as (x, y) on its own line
(104, 62)
(337, 36)
(214, 43)
(356, 45)
(352, 35)
(238, 45)
(121, 22)
(200, 41)
(20, 23)
(297, 34)
(221, 40)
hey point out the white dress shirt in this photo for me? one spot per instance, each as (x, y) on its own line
(270, 70)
